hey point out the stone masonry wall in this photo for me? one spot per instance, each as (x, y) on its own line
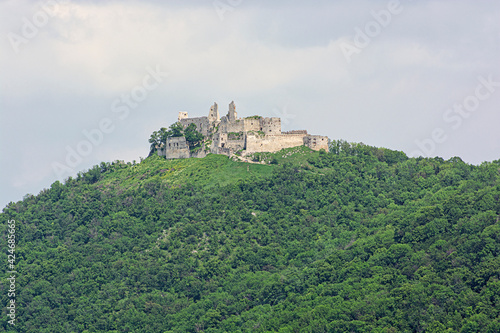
(236, 126)
(236, 141)
(202, 124)
(271, 126)
(251, 124)
(273, 143)
(295, 132)
(176, 148)
(316, 142)
(199, 153)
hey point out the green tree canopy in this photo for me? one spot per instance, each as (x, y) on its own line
(175, 130)
(157, 138)
(193, 137)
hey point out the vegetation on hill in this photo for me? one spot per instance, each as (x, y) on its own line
(360, 239)
(158, 138)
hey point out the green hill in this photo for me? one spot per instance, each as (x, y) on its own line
(360, 239)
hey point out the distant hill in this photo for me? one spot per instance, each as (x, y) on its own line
(358, 239)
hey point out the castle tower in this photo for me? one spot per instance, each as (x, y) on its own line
(182, 115)
(232, 115)
(213, 115)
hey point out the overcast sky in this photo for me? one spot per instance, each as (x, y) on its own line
(83, 82)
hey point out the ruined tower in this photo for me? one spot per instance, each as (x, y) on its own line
(213, 115)
(182, 115)
(232, 115)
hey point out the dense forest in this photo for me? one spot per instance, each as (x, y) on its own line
(358, 239)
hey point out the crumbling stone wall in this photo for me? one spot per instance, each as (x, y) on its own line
(213, 114)
(272, 143)
(316, 142)
(202, 124)
(236, 126)
(176, 148)
(252, 124)
(182, 115)
(295, 132)
(271, 126)
(236, 140)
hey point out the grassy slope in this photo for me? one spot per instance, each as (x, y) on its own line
(206, 172)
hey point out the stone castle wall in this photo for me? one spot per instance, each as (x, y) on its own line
(295, 132)
(228, 127)
(176, 148)
(236, 141)
(217, 140)
(252, 124)
(271, 126)
(199, 153)
(273, 143)
(202, 124)
(316, 142)
(266, 125)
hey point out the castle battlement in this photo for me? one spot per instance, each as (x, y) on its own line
(295, 132)
(230, 134)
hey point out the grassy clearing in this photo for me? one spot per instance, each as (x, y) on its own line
(208, 171)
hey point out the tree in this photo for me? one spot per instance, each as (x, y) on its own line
(157, 138)
(193, 137)
(175, 130)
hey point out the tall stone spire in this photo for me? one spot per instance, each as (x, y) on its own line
(213, 115)
(232, 115)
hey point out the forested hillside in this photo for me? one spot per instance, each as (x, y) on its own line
(360, 239)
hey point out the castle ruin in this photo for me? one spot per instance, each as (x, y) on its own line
(229, 135)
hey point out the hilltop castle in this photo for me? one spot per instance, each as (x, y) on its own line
(230, 134)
